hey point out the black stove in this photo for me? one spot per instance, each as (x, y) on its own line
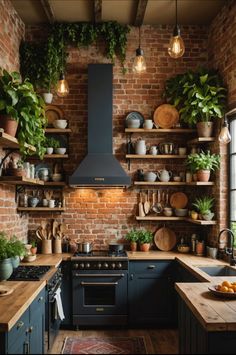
(101, 254)
(100, 260)
(29, 273)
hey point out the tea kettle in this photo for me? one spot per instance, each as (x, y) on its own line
(164, 175)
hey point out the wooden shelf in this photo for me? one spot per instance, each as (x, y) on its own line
(8, 141)
(40, 209)
(149, 156)
(20, 180)
(173, 183)
(58, 130)
(53, 183)
(159, 218)
(201, 140)
(201, 222)
(160, 130)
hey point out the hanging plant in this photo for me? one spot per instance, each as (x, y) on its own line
(43, 62)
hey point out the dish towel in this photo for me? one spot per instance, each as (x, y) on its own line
(59, 303)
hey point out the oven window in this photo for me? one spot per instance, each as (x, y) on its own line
(99, 295)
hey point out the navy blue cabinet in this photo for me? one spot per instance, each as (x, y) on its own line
(66, 292)
(184, 275)
(27, 335)
(151, 292)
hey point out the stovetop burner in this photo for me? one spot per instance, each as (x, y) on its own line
(102, 253)
(29, 273)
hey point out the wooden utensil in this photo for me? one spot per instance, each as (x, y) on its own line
(54, 228)
(165, 239)
(146, 204)
(38, 234)
(159, 205)
(140, 206)
(178, 200)
(166, 116)
(44, 230)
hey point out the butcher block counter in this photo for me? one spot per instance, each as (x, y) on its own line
(50, 260)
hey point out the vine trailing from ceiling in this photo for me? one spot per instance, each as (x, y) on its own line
(42, 62)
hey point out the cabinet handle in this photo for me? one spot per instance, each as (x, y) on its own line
(26, 348)
(40, 299)
(131, 276)
(19, 325)
(31, 329)
(151, 267)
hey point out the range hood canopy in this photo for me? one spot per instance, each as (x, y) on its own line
(100, 168)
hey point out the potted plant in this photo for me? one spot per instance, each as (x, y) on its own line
(51, 144)
(204, 205)
(15, 168)
(145, 237)
(132, 236)
(9, 83)
(16, 250)
(202, 163)
(6, 267)
(33, 248)
(61, 149)
(200, 97)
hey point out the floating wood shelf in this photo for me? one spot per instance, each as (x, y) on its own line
(58, 130)
(8, 141)
(186, 219)
(149, 156)
(40, 209)
(54, 183)
(201, 222)
(200, 140)
(20, 180)
(160, 130)
(56, 156)
(173, 183)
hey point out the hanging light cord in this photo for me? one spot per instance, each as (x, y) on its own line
(176, 14)
(139, 41)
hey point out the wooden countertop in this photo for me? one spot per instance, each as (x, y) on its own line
(14, 305)
(50, 259)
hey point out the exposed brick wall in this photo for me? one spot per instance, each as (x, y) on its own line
(12, 30)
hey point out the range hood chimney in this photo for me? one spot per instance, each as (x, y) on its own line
(100, 168)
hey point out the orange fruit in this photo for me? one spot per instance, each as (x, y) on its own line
(230, 290)
(218, 287)
(226, 283)
(234, 288)
(224, 289)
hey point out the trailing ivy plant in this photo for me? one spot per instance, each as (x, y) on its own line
(43, 62)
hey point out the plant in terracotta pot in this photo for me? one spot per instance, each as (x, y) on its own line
(203, 163)
(204, 205)
(132, 236)
(145, 238)
(33, 248)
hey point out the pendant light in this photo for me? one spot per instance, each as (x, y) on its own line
(139, 64)
(62, 88)
(224, 136)
(176, 47)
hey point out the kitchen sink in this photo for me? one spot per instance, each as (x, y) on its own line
(218, 270)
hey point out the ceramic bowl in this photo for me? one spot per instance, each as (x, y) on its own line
(60, 150)
(134, 123)
(30, 257)
(56, 177)
(61, 124)
(177, 178)
(168, 212)
(181, 212)
(182, 248)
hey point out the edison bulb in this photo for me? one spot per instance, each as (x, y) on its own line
(62, 86)
(224, 136)
(139, 65)
(176, 47)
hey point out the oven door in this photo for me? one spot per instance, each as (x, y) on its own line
(99, 292)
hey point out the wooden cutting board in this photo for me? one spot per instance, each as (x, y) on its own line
(165, 239)
(166, 116)
(178, 200)
(5, 291)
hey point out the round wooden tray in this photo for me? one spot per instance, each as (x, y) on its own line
(178, 200)
(165, 239)
(166, 116)
(5, 291)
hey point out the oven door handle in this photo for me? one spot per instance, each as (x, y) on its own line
(98, 283)
(99, 275)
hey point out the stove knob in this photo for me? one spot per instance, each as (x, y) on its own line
(113, 265)
(119, 265)
(87, 265)
(106, 265)
(76, 266)
(99, 265)
(81, 266)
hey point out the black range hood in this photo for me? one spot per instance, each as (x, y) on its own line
(100, 168)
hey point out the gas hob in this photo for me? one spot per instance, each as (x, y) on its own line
(29, 273)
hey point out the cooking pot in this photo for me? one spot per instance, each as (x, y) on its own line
(116, 247)
(84, 247)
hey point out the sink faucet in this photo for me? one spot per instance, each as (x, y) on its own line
(230, 250)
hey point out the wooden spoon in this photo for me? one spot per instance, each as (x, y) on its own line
(140, 206)
(146, 204)
(44, 229)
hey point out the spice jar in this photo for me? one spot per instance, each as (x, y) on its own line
(200, 248)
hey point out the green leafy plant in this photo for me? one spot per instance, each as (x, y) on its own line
(10, 247)
(51, 142)
(9, 97)
(132, 235)
(200, 96)
(203, 161)
(204, 204)
(145, 236)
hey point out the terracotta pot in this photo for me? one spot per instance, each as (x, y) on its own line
(203, 175)
(195, 177)
(33, 250)
(205, 129)
(8, 124)
(133, 246)
(15, 172)
(145, 247)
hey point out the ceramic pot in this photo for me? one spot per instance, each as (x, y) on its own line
(46, 246)
(49, 150)
(6, 269)
(205, 129)
(194, 215)
(15, 261)
(203, 175)
(33, 201)
(150, 176)
(133, 246)
(208, 216)
(47, 96)
(15, 172)
(8, 124)
(164, 175)
(145, 247)
(140, 147)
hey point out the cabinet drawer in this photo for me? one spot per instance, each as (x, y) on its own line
(151, 266)
(18, 332)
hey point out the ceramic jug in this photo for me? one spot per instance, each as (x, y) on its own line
(150, 176)
(140, 147)
(164, 175)
(153, 150)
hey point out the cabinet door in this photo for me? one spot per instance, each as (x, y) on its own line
(37, 320)
(17, 338)
(66, 292)
(183, 275)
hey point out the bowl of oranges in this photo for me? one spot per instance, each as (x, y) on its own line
(226, 289)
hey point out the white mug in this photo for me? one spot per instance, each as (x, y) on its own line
(45, 202)
(153, 150)
(148, 124)
(51, 203)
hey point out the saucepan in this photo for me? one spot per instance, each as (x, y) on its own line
(84, 247)
(115, 247)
